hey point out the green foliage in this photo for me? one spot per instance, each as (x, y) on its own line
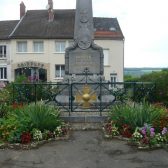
(47, 134)
(5, 94)
(40, 116)
(24, 91)
(30, 118)
(135, 116)
(161, 80)
(4, 109)
(14, 125)
(21, 79)
(7, 126)
(129, 78)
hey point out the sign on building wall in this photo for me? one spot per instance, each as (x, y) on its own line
(30, 64)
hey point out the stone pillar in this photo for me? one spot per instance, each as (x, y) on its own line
(84, 32)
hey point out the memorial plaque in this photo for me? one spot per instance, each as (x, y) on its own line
(82, 59)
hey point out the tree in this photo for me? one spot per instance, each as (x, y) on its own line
(161, 80)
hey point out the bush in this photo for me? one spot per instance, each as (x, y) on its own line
(135, 116)
(19, 123)
(4, 109)
(7, 126)
(39, 116)
(161, 80)
(5, 95)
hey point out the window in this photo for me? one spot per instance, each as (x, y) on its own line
(3, 73)
(59, 71)
(22, 46)
(38, 46)
(113, 80)
(60, 46)
(2, 51)
(106, 56)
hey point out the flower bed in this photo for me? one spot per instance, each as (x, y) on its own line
(127, 121)
(37, 138)
(31, 125)
(146, 137)
(143, 138)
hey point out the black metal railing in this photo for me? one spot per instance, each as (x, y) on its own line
(84, 97)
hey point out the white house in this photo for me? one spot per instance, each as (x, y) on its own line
(35, 45)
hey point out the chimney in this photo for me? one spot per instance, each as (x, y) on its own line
(22, 9)
(50, 11)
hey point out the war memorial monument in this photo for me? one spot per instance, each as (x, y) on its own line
(84, 87)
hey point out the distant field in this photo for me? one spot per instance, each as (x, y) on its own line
(136, 72)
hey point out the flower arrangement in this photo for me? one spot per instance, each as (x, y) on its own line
(137, 136)
(60, 131)
(126, 131)
(165, 134)
(37, 135)
(47, 134)
(25, 138)
(147, 136)
(110, 129)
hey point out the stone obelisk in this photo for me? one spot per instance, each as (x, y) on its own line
(83, 33)
(84, 54)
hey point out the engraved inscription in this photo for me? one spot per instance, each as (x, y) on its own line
(81, 60)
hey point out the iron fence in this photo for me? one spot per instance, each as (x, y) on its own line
(84, 97)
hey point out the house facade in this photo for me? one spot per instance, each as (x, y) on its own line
(35, 45)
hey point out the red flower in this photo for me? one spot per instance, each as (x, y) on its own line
(145, 140)
(126, 131)
(17, 105)
(25, 138)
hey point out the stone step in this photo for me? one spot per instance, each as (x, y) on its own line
(81, 114)
(84, 119)
(85, 122)
(86, 126)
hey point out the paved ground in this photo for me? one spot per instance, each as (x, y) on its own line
(85, 149)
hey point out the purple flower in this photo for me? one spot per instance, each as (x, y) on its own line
(164, 131)
(143, 131)
(152, 130)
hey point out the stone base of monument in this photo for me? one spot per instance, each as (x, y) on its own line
(84, 120)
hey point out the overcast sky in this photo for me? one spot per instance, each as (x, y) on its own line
(144, 24)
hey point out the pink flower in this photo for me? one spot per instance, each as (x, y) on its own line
(143, 131)
(152, 134)
(164, 131)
